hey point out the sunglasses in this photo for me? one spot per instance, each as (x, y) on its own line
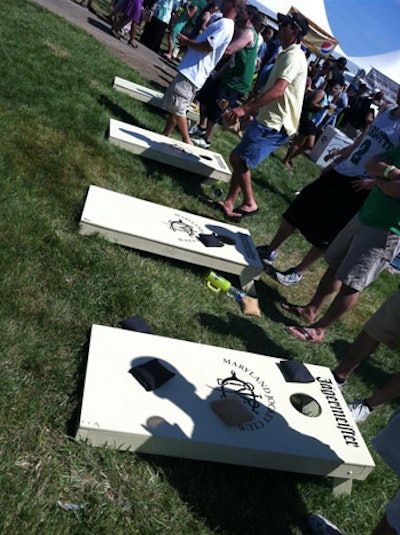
(293, 25)
(286, 24)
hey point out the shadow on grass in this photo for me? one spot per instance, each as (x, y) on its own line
(234, 500)
(106, 28)
(370, 374)
(117, 111)
(77, 395)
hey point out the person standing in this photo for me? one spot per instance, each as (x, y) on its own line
(202, 56)
(279, 110)
(345, 183)
(233, 84)
(154, 30)
(383, 327)
(314, 110)
(359, 253)
(387, 444)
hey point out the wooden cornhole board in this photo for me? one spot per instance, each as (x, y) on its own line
(169, 151)
(169, 232)
(149, 96)
(176, 419)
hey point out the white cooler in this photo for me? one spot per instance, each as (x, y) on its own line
(331, 139)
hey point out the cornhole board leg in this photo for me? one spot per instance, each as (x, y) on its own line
(341, 486)
(169, 232)
(248, 285)
(273, 428)
(169, 151)
(149, 96)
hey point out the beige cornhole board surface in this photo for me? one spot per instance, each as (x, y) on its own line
(176, 419)
(169, 232)
(149, 96)
(169, 151)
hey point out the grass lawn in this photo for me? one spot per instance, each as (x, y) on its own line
(55, 103)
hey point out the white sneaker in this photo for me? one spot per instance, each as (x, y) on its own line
(201, 142)
(322, 526)
(359, 410)
(197, 131)
(267, 256)
(291, 277)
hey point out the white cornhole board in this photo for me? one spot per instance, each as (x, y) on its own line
(149, 96)
(169, 151)
(330, 140)
(176, 419)
(169, 232)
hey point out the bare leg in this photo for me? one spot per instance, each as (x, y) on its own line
(362, 347)
(388, 393)
(210, 130)
(282, 234)
(203, 118)
(343, 302)
(170, 126)
(132, 34)
(327, 285)
(168, 55)
(310, 258)
(294, 150)
(241, 181)
(182, 125)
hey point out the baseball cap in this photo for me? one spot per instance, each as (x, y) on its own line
(342, 62)
(295, 19)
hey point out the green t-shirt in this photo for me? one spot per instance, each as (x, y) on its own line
(240, 76)
(381, 210)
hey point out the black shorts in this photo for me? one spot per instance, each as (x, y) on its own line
(211, 95)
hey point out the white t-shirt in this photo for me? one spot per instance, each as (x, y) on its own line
(383, 135)
(197, 66)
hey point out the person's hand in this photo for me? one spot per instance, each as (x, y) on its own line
(182, 39)
(235, 113)
(360, 184)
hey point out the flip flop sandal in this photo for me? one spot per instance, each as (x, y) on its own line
(303, 331)
(292, 309)
(245, 213)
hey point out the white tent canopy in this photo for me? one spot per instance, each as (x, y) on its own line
(388, 63)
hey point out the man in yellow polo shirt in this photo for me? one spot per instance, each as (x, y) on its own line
(279, 110)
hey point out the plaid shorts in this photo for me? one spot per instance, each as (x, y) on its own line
(179, 95)
(359, 253)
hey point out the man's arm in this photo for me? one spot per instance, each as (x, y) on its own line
(245, 39)
(273, 93)
(202, 46)
(387, 175)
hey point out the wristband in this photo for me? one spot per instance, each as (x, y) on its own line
(388, 170)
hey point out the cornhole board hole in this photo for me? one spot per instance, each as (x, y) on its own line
(169, 232)
(170, 151)
(149, 96)
(177, 419)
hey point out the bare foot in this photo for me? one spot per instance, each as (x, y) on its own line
(288, 166)
(299, 311)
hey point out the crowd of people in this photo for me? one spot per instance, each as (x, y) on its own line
(243, 72)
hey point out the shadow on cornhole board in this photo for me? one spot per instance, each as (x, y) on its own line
(149, 96)
(169, 151)
(169, 232)
(176, 419)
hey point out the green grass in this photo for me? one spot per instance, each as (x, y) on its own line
(55, 103)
